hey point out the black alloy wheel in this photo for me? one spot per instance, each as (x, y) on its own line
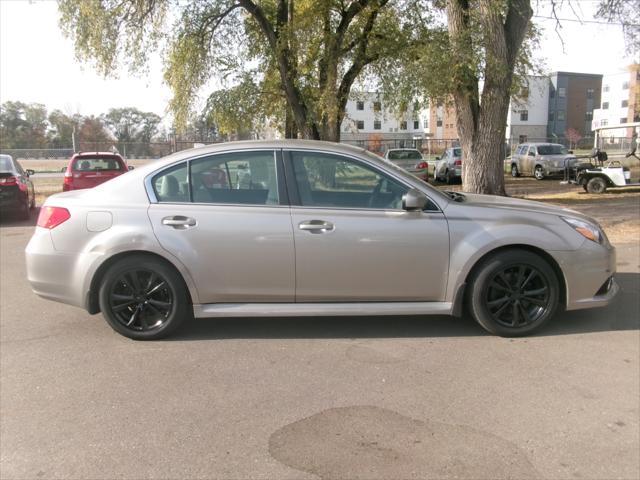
(143, 298)
(513, 292)
(140, 300)
(518, 296)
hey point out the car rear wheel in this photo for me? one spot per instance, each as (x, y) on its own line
(25, 211)
(514, 170)
(538, 172)
(143, 298)
(596, 185)
(513, 293)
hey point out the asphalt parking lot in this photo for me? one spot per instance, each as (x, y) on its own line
(292, 398)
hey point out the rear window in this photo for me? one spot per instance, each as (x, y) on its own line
(404, 155)
(552, 150)
(457, 152)
(5, 163)
(97, 163)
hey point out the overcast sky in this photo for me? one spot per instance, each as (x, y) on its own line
(37, 63)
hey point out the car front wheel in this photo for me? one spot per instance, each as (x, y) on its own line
(143, 298)
(513, 293)
(538, 173)
(514, 171)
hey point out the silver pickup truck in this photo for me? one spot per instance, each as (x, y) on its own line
(540, 159)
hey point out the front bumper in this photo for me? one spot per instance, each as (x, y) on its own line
(589, 275)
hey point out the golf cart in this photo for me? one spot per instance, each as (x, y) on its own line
(600, 173)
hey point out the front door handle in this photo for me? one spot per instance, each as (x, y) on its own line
(316, 226)
(179, 222)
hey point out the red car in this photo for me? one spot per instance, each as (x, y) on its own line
(88, 169)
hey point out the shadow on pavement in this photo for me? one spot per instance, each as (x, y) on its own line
(8, 220)
(622, 314)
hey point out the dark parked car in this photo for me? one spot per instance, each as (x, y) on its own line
(88, 169)
(17, 194)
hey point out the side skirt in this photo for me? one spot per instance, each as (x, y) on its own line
(320, 309)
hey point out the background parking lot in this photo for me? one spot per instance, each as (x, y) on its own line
(350, 397)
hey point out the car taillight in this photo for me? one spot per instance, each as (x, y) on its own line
(9, 181)
(51, 217)
(422, 165)
(68, 182)
(458, 163)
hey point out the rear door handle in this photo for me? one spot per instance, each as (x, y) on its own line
(179, 222)
(316, 226)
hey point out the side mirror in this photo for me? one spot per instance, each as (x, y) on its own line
(437, 158)
(131, 167)
(30, 172)
(414, 200)
(571, 152)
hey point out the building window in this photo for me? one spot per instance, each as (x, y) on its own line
(416, 124)
(426, 123)
(416, 106)
(625, 86)
(403, 125)
(605, 105)
(377, 106)
(359, 105)
(605, 88)
(561, 115)
(588, 116)
(589, 92)
(562, 92)
(360, 124)
(551, 116)
(604, 122)
(377, 125)
(522, 139)
(624, 104)
(524, 93)
(438, 123)
(623, 120)
(524, 115)
(552, 92)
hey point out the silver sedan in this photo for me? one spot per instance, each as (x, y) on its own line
(290, 228)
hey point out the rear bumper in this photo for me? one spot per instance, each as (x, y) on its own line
(56, 275)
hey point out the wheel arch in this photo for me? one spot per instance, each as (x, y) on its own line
(562, 300)
(91, 300)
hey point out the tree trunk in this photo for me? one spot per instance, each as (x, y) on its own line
(481, 126)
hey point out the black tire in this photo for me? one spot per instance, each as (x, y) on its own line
(499, 301)
(596, 185)
(538, 173)
(451, 177)
(25, 211)
(514, 170)
(143, 298)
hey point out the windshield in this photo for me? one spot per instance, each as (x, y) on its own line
(97, 163)
(552, 149)
(404, 155)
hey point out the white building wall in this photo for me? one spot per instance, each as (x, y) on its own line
(611, 111)
(390, 122)
(537, 107)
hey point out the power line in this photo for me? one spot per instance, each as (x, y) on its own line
(596, 22)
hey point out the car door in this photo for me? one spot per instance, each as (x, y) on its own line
(531, 159)
(226, 218)
(353, 240)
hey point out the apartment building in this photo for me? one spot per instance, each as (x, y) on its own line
(572, 100)
(529, 111)
(620, 102)
(367, 117)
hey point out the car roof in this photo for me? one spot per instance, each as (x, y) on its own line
(401, 149)
(93, 154)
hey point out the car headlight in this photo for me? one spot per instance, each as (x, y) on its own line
(587, 230)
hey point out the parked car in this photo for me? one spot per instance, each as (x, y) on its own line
(290, 228)
(449, 166)
(409, 159)
(540, 160)
(17, 195)
(88, 169)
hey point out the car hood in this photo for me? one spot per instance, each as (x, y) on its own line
(509, 203)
